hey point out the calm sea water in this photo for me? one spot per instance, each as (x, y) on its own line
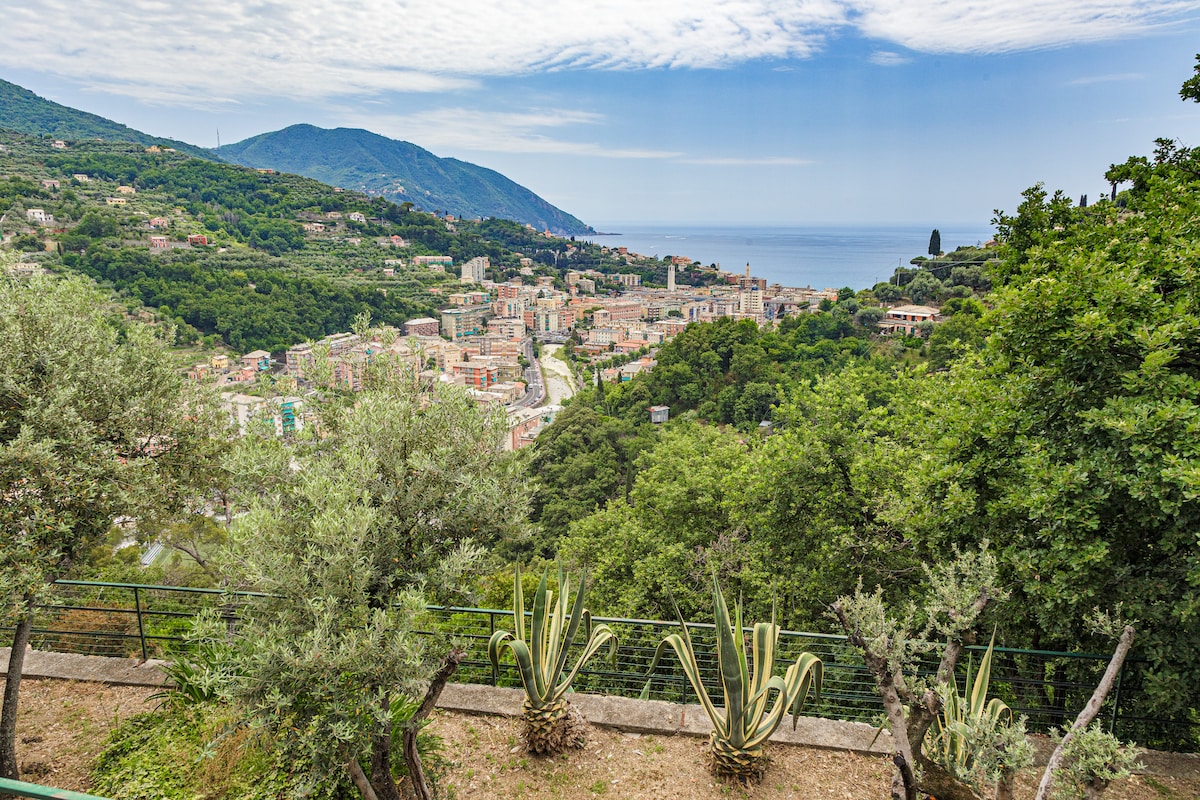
(819, 257)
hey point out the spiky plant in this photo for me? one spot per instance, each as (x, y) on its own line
(951, 741)
(551, 724)
(971, 738)
(749, 715)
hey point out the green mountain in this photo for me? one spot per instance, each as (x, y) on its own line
(401, 172)
(23, 111)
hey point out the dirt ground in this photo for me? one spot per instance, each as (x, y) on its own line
(63, 726)
(487, 762)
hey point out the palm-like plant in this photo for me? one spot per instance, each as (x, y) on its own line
(551, 724)
(976, 739)
(750, 714)
(964, 720)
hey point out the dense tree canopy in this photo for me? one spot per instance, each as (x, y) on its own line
(92, 426)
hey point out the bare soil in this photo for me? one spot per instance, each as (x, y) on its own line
(488, 762)
(63, 726)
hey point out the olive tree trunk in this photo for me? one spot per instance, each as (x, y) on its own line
(1088, 714)
(12, 687)
(412, 757)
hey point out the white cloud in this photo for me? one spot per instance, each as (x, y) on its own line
(986, 26)
(767, 161)
(886, 58)
(458, 129)
(1093, 79)
(188, 53)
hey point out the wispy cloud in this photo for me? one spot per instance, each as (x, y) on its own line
(767, 161)
(500, 132)
(1092, 79)
(245, 49)
(985, 26)
(540, 130)
(886, 58)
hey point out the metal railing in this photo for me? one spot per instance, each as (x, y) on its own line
(11, 788)
(146, 621)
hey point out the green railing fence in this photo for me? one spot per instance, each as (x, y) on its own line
(142, 621)
(11, 788)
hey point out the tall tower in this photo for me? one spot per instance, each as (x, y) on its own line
(671, 277)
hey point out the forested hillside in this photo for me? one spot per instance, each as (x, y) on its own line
(22, 110)
(260, 280)
(1059, 422)
(401, 172)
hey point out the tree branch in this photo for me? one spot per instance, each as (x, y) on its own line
(412, 727)
(1090, 710)
(360, 779)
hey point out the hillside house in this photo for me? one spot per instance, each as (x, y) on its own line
(258, 360)
(198, 239)
(159, 222)
(159, 243)
(37, 216)
(905, 319)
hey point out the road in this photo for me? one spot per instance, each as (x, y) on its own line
(535, 392)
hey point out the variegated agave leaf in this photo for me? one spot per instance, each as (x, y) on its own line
(755, 700)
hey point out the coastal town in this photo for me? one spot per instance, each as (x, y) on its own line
(502, 341)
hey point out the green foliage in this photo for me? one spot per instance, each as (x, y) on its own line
(89, 428)
(654, 551)
(748, 716)
(951, 338)
(582, 461)
(1091, 760)
(390, 510)
(199, 752)
(975, 738)
(1075, 430)
(1191, 87)
(204, 674)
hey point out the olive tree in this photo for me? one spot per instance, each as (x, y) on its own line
(391, 508)
(95, 423)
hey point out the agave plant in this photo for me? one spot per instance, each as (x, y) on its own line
(963, 718)
(551, 724)
(750, 713)
(968, 737)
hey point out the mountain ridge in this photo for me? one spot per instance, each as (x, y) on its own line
(26, 112)
(401, 171)
(352, 158)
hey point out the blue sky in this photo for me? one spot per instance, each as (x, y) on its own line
(929, 112)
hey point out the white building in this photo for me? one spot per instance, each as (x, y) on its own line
(475, 270)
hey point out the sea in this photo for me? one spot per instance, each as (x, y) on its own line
(858, 256)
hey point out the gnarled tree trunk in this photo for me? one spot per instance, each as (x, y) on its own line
(12, 687)
(411, 757)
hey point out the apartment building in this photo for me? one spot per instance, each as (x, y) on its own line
(475, 270)
(460, 322)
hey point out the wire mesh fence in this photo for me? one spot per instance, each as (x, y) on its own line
(142, 621)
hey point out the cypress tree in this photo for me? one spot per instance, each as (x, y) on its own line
(935, 243)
